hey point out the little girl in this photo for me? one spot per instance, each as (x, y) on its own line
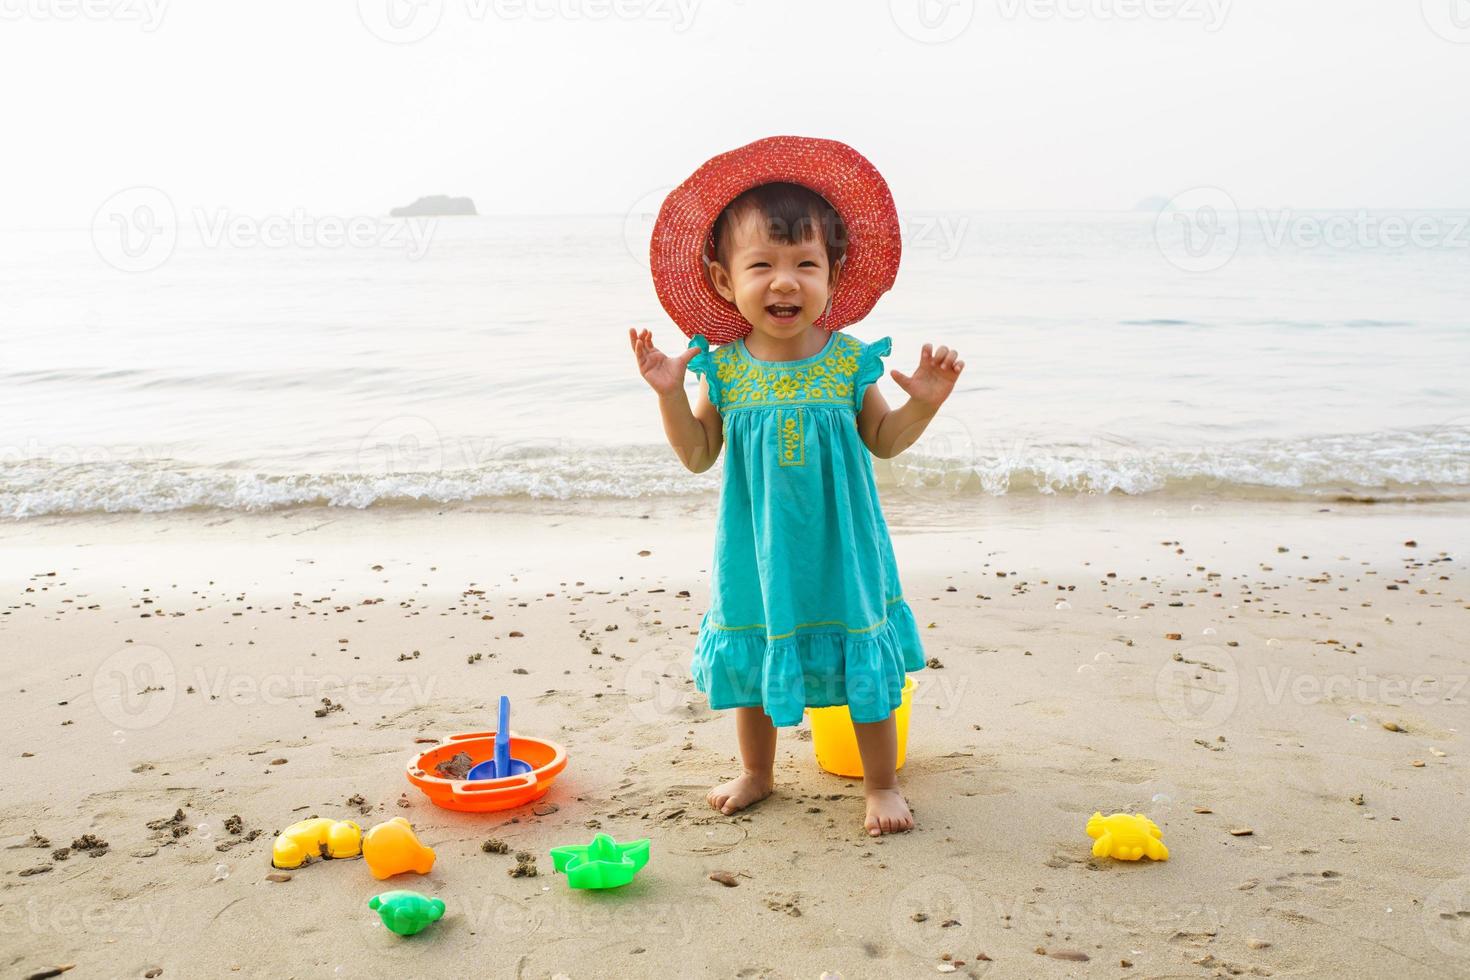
(770, 250)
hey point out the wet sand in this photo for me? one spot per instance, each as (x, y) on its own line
(1295, 671)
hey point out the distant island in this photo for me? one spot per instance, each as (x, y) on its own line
(436, 206)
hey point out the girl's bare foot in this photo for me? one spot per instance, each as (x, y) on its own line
(741, 792)
(888, 812)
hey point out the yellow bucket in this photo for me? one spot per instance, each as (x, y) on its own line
(835, 741)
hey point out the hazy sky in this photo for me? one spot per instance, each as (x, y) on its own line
(588, 105)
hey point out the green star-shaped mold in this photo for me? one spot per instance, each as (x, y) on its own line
(602, 864)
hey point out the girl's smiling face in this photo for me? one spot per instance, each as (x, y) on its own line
(780, 285)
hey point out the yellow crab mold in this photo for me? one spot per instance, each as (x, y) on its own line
(1126, 837)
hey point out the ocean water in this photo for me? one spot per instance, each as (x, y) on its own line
(266, 363)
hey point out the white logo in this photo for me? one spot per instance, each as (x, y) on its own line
(1450, 19)
(135, 687)
(932, 21)
(1447, 918)
(1199, 230)
(148, 14)
(406, 444)
(638, 223)
(934, 912)
(657, 685)
(1199, 690)
(942, 461)
(135, 230)
(1445, 451)
(400, 21)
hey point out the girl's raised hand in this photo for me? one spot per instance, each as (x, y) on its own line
(932, 383)
(664, 374)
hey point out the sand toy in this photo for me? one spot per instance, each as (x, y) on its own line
(602, 864)
(317, 837)
(392, 848)
(406, 913)
(834, 740)
(1126, 837)
(546, 758)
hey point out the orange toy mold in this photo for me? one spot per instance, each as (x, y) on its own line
(546, 759)
(392, 848)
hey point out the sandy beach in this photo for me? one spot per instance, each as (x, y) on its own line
(1281, 687)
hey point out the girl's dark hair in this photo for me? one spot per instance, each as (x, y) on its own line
(793, 213)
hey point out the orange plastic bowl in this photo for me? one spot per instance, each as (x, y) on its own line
(546, 759)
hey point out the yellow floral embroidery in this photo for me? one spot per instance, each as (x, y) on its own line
(745, 384)
(792, 434)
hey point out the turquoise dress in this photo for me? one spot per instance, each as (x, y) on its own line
(806, 609)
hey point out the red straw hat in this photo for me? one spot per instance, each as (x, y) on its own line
(681, 236)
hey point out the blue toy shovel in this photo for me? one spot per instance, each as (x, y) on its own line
(502, 765)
